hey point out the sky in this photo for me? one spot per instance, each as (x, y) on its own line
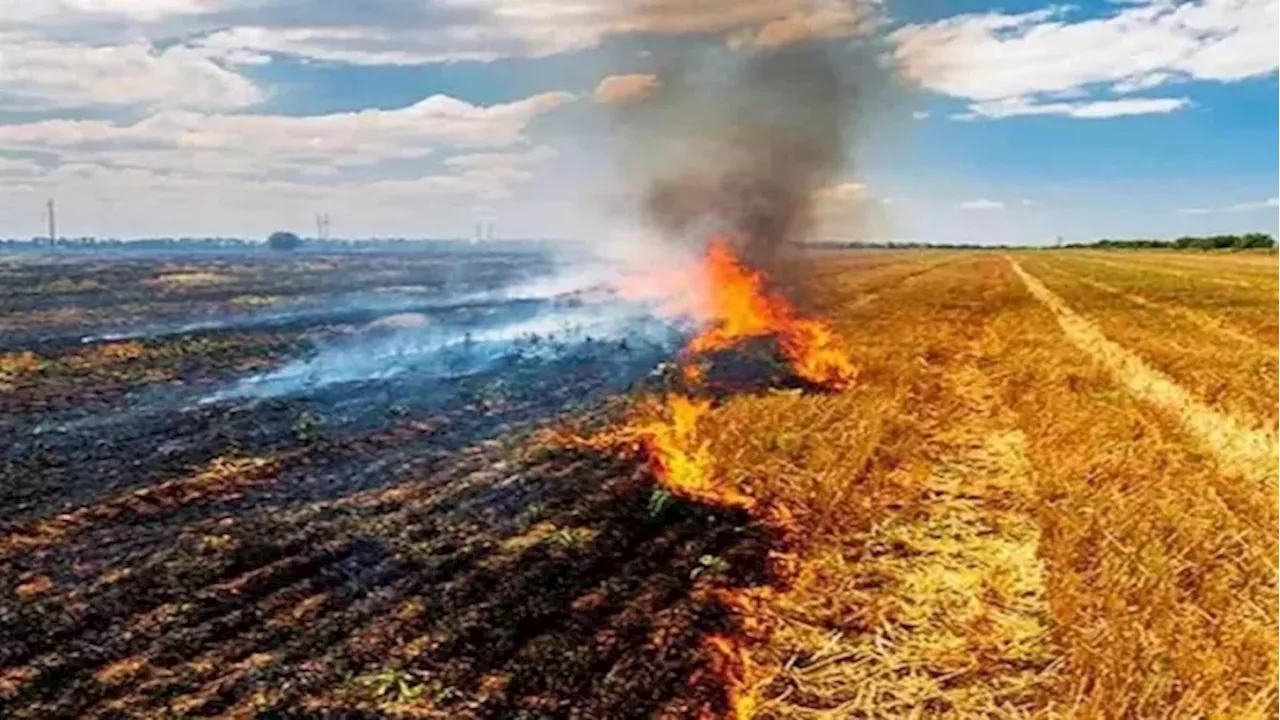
(977, 122)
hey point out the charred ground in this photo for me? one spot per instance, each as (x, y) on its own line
(352, 547)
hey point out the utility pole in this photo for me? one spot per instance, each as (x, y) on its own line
(322, 226)
(53, 223)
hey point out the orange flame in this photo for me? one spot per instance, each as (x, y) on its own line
(679, 459)
(730, 663)
(694, 374)
(739, 306)
(736, 306)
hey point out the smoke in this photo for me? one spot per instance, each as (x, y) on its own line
(579, 280)
(741, 137)
(564, 327)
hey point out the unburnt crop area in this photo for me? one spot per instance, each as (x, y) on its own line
(469, 484)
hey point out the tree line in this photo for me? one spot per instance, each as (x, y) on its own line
(1247, 241)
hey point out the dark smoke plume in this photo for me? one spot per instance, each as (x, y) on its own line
(740, 142)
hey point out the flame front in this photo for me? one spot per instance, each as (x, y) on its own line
(814, 352)
(678, 457)
(681, 460)
(736, 305)
(739, 306)
(730, 662)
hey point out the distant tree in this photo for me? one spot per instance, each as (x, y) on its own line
(281, 240)
(1256, 240)
(1212, 242)
(1111, 243)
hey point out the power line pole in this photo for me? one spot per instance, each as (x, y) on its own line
(322, 226)
(53, 223)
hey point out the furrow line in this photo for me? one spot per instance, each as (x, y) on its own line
(1240, 450)
(1199, 319)
(1166, 270)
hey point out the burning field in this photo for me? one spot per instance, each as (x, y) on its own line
(221, 506)
(441, 487)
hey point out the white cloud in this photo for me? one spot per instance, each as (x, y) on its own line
(41, 75)
(1003, 60)
(842, 205)
(1238, 38)
(844, 197)
(843, 191)
(491, 161)
(61, 13)
(78, 53)
(994, 55)
(1240, 207)
(1144, 82)
(1013, 107)
(358, 45)
(981, 204)
(919, 115)
(10, 167)
(1251, 206)
(486, 30)
(242, 173)
(185, 141)
(151, 98)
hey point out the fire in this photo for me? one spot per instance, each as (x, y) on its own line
(676, 455)
(694, 374)
(682, 461)
(815, 354)
(736, 305)
(730, 662)
(669, 441)
(742, 307)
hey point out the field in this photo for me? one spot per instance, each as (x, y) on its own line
(270, 485)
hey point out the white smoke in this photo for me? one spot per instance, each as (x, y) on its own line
(553, 331)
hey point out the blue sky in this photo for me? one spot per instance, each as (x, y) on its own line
(1015, 122)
